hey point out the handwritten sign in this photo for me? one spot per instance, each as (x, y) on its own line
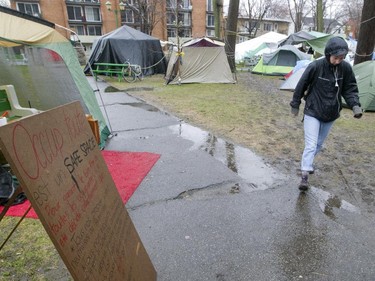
(59, 165)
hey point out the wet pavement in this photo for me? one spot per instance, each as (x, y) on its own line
(212, 210)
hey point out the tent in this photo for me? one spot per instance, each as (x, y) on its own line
(43, 66)
(128, 44)
(291, 82)
(258, 45)
(281, 61)
(201, 60)
(365, 75)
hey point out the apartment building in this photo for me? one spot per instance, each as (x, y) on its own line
(89, 19)
(249, 29)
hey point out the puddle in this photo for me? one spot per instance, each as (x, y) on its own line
(142, 105)
(250, 167)
(329, 202)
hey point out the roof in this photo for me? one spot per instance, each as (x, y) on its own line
(203, 42)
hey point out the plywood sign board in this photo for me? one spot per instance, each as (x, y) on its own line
(59, 165)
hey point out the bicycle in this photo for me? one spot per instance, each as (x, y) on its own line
(132, 72)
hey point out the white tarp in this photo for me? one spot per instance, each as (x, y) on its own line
(272, 39)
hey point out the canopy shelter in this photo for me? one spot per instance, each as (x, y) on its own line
(301, 37)
(281, 61)
(42, 66)
(128, 44)
(201, 60)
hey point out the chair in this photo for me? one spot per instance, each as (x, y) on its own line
(9, 102)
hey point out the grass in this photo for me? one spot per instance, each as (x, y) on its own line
(252, 113)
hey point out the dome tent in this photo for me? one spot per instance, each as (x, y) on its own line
(281, 61)
(128, 44)
(42, 66)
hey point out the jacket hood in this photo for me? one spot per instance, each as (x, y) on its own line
(336, 46)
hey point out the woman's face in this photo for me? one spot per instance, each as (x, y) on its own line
(335, 60)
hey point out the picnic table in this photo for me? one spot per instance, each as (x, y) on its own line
(110, 69)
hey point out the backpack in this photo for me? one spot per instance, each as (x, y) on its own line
(8, 186)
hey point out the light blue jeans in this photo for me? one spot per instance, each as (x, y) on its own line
(315, 134)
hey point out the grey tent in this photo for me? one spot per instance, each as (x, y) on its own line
(201, 60)
(126, 43)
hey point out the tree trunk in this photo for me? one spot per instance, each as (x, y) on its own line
(366, 37)
(231, 33)
(218, 7)
(319, 16)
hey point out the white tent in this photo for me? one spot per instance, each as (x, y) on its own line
(265, 43)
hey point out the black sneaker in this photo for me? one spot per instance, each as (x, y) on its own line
(304, 185)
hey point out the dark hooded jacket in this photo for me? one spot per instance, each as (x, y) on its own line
(322, 85)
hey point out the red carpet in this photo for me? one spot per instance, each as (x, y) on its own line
(127, 169)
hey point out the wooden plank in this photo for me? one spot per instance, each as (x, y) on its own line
(59, 165)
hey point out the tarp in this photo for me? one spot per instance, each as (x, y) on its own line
(201, 60)
(365, 75)
(49, 74)
(301, 37)
(281, 61)
(253, 46)
(128, 44)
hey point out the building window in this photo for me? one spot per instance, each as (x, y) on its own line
(210, 7)
(92, 14)
(210, 33)
(79, 29)
(185, 18)
(94, 30)
(171, 32)
(171, 18)
(210, 20)
(74, 13)
(128, 16)
(267, 27)
(185, 32)
(184, 4)
(29, 8)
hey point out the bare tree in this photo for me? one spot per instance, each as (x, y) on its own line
(352, 10)
(254, 11)
(366, 38)
(277, 10)
(147, 13)
(297, 11)
(4, 3)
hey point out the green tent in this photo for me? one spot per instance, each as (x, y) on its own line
(43, 67)
(280, 62)
(365, 75)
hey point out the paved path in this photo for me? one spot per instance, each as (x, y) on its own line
(211, 210)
